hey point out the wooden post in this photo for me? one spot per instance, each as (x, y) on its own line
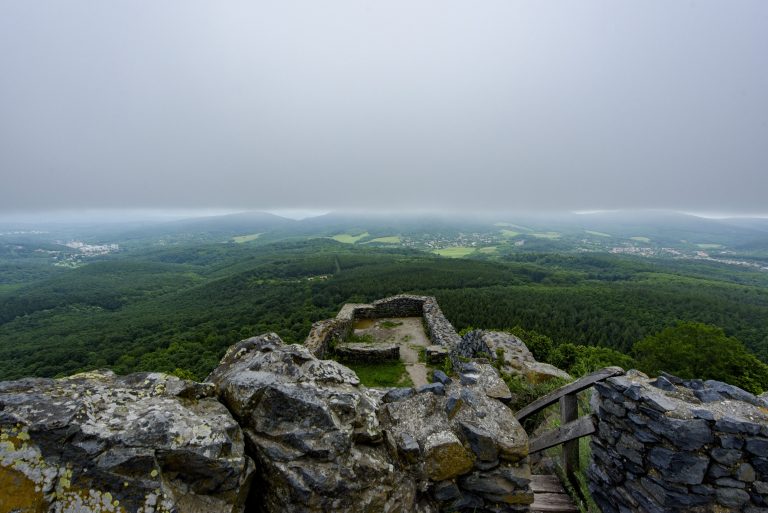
(569, 411)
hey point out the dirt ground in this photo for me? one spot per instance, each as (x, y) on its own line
(408, 333)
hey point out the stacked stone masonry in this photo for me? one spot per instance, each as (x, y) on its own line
(440, 331)
(671, 445)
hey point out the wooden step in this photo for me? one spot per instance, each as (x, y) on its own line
(549, 496)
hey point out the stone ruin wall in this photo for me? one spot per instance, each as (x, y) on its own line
(439, 330)
(672, 445)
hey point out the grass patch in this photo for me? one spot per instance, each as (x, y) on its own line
(381, 374)
(365, 338)
(546, 235)
(709, 246)
(394, 239)
(598, 234)
(246, 238)
(388, 325)
(347, 238)
(524, 393)
(509, 233)
(455, 252)
(641, 239)
(488, 250)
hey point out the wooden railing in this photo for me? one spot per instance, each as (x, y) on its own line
(572, 427)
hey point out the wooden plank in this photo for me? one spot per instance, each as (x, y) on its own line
(571, 388)
(553, 503)
(569, 412)
(543, 483)
(582, 427)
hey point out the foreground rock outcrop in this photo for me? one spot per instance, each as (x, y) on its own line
(322, 442)
(97, 442)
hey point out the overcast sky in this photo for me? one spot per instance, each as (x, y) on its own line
(384, 104)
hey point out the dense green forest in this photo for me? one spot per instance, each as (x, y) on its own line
(178, 309)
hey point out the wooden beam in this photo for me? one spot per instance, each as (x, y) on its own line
(571, 388)
(581, 427)
(569, 412)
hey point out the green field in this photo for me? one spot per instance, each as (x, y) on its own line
(246, 238)
(394, 239)
(8, 287)
(599, 234)
(641, 239)
(710, 246)
(546, 235)
(455, 252)
(509, 233)
(488, 250)
(347, 238)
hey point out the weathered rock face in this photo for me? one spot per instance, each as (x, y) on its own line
(324, 443)
(141, 443)
(674, 445)
(515, 357)
(313, 430)
(465, 447)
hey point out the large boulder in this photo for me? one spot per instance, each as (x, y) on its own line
(313, 430)
(97, 442)
(513, 355)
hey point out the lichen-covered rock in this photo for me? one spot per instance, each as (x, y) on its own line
(96, 442)
(511, 352)
(313, 429)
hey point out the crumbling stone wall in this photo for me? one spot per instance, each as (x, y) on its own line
(323, 332)
(439, 330)
(672, 445)
(371, 353)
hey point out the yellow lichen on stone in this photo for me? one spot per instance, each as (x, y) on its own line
(19, 494)
(13, 439)
(88, 501)
(64, 483)
(445, 456)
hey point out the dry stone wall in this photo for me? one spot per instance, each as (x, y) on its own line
(671, 445)
(440, 331)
